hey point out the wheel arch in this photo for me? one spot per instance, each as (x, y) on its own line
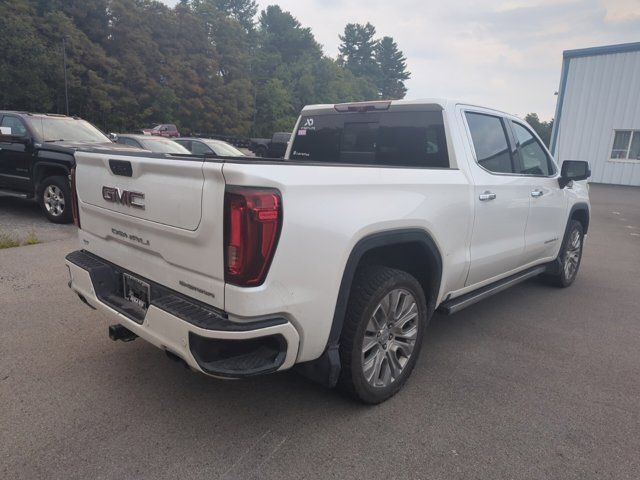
(426, 265)
(580, 212)
(44, 170)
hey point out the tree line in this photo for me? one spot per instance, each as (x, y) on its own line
(213, 66)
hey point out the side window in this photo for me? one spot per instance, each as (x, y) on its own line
(533, 159)
(490, 142)
(185, 143)
(199, 148)
(129, 141)
(16, 126)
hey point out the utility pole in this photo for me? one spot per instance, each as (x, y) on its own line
(64, 61)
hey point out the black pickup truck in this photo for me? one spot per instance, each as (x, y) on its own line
(36, 157)
(275, 147)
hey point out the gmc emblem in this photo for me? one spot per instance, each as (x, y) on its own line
(123, 197)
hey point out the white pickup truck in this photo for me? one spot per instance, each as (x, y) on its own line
(335, 258)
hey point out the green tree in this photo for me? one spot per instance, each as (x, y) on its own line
(358, 50)
(205, 65)
(393, 69)
(276, 112)
(244, 11)
(543, 129)
(28, 63)
(283, 35)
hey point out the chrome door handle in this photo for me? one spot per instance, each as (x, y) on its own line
(537, 193)
(486, 196)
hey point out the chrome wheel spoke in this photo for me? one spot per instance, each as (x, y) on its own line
(380, 317)
(53, 200)
(370, 365)
(572, 254)
(395, 367)
(369, 343)
(373, 373)
(404, 336)
(384, 378)
(389, 338)
(410, 314)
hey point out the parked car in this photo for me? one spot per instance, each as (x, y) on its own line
(36, 156)
(204, 146)
(335, 258)
(154, 144)
(168, 130)
(275, 147)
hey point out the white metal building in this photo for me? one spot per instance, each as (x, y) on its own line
(598, 112)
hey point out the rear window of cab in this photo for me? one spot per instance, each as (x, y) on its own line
(399, 139)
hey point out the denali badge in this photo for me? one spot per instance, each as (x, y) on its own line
(123, 197)
(130, 236)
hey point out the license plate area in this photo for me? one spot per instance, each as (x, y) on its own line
(136, 291)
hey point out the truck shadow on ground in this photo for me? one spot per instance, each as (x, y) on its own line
(21, 208)
(145, 375)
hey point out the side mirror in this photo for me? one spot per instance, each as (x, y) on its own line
(113, 136)
(573, 170)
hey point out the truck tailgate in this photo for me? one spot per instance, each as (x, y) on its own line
(145, 214)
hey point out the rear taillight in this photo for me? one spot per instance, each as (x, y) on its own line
(253, 217)
(75, 211)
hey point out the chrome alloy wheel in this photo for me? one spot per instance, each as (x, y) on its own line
(389, 338)
(53, 200)
(572, 254)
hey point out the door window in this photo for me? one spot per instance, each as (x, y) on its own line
(185, 143)
(199, 148)
(490, 142)
(533, 159)
(15, 124)
(128, 141)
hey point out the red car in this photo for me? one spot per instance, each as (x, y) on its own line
(163, 130)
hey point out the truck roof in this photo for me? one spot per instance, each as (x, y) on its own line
(416, 104)
(33, 114)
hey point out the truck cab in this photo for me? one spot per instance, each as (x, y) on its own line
(36, 157)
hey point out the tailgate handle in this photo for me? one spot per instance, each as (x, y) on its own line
(121, 167)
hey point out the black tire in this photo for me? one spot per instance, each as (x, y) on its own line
(57, 206)
(371, 285)
(564, 275)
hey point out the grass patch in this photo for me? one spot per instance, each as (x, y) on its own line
(31, 239)
(10, 241)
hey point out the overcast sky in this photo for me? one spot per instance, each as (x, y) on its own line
(505, 54)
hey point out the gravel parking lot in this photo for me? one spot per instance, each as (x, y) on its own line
(534, 383)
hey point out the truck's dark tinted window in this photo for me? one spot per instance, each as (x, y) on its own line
(407, 139)
(490, 142)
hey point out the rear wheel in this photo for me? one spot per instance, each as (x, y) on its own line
(570, 256)
(54, 197)
(382, 335)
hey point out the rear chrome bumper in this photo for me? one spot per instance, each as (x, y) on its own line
(200, 335)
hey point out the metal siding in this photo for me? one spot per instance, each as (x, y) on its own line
(602, 95)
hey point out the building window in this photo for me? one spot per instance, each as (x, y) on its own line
(626, 145)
